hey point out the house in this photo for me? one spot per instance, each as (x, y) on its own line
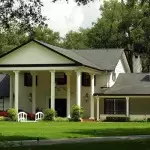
(45, 76)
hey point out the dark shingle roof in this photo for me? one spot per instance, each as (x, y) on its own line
(106, 59)
(101, 59)
(4, 85)
(130, 84)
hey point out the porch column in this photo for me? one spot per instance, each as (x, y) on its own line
(97, 99)
(52, 89)
(78, 90)
(127, 106)
(33, 92)
(11, 91)
(92, 99)
(68, 74)
(16, 89)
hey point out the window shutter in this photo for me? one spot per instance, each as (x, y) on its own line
(86, 81)
(28, 79)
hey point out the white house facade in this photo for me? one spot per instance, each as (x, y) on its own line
(44, 76)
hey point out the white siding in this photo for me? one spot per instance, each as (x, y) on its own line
(34, 53)
(119, 69)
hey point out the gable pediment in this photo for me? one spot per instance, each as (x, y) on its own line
(34, 53)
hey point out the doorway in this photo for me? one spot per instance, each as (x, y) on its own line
(60, 107)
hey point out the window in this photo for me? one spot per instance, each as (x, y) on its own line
(28, 79)
(60, 78)
(86, 79)
(113, 76)
(114, 106)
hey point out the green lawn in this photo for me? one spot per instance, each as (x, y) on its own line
(123, 145)
(48, 130)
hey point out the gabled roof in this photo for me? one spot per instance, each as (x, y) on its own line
(100, 59)
(129, 84)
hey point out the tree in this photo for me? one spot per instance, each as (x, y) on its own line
(104, 32)
(24, 13)
(47, 35)
(11, 38)
(79, 2)
(75, 40)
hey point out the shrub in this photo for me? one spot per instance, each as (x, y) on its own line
(12, 114)
(77, 113)
(61, 119)
(49, 114)
(117, 119)
(148, 119)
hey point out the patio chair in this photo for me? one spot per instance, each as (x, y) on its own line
(39, 116)
(22, 117)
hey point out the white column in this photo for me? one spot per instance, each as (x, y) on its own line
(68, 74)
(91, 99)
(127, 106)
(16, 89)
(78, 90)
(11, 91)
(52, 89)
(97, 99)
(33, 92)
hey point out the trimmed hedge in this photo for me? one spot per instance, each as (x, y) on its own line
(12, 114)
(117, 119)
(61, 119)
(49, 114)
(77, 113)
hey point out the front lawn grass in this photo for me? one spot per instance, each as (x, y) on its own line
(121, 145)
(48, 130)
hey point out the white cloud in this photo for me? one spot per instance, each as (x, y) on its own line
(64, 17)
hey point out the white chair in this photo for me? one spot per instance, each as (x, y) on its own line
(22, 117)
(39, 116)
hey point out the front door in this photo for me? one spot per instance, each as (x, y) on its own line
(60, 107)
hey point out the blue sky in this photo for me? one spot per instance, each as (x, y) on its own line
(64, 17)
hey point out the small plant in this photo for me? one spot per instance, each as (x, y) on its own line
(77, 113)
(12, 114)
(117, 119)
(61, 119)
(49, 114)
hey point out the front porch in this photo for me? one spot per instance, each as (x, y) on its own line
(40, 90)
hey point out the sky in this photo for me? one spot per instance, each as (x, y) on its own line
(63, 16)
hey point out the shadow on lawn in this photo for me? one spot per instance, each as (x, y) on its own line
(111, 132)
(19, 138)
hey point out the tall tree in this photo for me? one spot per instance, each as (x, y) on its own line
(26, 13)
(75, 40)
(47, 35)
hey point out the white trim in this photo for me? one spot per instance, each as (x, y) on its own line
(52, 89)
(36, 68)
(78, 88)
(91, 97)
(127, 106)
(16, 89)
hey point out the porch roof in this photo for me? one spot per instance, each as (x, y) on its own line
(129, 84)
(100, 59)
